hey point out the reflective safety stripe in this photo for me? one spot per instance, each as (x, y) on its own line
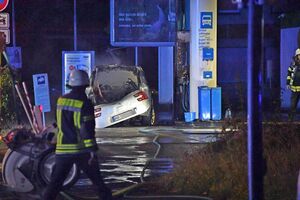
(89, 142)
(74, 148)
(76, 118)
(69, 108)
(69, 104)
(59, 134)
(85, 143)
(69, 146)
(295, 88)
(58, 151)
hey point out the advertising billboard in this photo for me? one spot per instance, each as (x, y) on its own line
(143, 22)
(71, 60)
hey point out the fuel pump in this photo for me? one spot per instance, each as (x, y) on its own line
(183, 84)
(182, 73)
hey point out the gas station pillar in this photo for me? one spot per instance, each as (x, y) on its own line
(203, 48)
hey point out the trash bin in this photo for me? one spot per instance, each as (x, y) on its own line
(189, 116)
(204, 103)
(216, 105)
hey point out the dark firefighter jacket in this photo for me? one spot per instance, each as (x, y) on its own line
(76, 124)
(293, 77)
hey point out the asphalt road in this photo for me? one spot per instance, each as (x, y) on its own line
(130, 155)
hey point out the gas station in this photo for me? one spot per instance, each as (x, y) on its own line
(176, 45)
(195, 52)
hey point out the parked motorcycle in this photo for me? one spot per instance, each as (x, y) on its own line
(30, 159)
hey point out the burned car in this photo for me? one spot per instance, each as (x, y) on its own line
(119, 93)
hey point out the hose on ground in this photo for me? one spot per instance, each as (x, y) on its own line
(124, 191)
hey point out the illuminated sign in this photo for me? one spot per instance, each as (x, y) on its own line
(143, 22)
(81, 60)
(206, 19)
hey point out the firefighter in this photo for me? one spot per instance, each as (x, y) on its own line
(293, 83)
(75, 141)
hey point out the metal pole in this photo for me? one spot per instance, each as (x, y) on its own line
(136, 56)
(34, 121)
(13, 23)
(24, 106)
(75, 27)
(11, 70)
(255, 160)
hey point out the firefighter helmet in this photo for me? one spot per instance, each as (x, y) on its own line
(78, 78)
(297, 52)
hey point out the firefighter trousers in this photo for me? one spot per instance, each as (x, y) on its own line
(294, 102)
(63, 164)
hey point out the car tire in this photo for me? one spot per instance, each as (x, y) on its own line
(150, 119)
(47, 165)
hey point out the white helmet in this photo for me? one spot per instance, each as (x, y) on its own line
(297, 52)
(78, 78)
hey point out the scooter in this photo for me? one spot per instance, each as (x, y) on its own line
(30, 159)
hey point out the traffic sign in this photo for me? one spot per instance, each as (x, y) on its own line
(41, 91)
(3, 4)
(4, 20)
(7, 35)
(14, 55)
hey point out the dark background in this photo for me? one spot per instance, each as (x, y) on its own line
(44, 28)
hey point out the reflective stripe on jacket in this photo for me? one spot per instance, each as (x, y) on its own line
(76, 124)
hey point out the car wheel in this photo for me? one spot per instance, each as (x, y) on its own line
(14, 177)
(46, 168)
(150, 119)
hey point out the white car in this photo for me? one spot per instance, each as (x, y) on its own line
(120, 93)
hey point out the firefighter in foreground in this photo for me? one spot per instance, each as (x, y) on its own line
(76, 138)
(293, 83)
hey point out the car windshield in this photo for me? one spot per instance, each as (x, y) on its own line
(111, 83)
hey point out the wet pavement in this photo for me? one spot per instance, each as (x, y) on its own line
(131, 155)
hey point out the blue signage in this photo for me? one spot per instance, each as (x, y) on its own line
(206, 20)
(41, 91)
(208, 53)
(207, 74)
(41, 80)
(15, 56)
